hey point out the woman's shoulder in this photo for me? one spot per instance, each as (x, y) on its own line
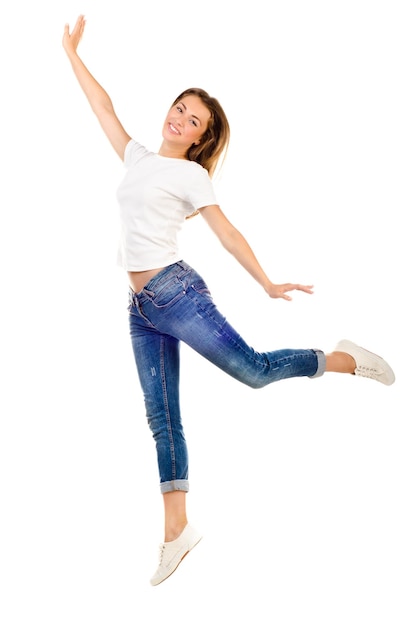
(135, 151)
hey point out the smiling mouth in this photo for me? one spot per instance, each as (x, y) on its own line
(173, 129)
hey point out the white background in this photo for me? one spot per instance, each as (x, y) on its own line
(305, 491)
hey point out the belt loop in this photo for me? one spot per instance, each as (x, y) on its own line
(183, 265)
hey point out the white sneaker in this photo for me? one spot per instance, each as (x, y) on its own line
(368, 364)
(173, 552)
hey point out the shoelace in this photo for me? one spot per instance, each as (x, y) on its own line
(161, 552)
(363, 370)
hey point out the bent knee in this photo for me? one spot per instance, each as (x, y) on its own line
(255, 383)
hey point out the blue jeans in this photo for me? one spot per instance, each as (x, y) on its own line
(176, 306)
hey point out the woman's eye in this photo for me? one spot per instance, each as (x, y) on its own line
(179, 109)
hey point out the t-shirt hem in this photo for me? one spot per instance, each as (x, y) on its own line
(153, 266)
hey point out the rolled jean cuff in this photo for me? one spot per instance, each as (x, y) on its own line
(321, 364)
(174, 485)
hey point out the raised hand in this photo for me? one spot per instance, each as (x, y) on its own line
(71, 40)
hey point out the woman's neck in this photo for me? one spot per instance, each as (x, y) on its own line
(173, 152)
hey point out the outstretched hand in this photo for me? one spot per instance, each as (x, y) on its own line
(280, 291)
(71, 40)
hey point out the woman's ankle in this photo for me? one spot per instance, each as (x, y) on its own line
(340, 362)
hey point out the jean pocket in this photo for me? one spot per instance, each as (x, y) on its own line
(200, 287)
(166, 295)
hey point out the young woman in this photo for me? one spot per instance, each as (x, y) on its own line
(169, 302)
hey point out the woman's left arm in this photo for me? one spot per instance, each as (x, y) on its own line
(235, 243)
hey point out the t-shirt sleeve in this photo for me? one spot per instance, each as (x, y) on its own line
(134, 151)
(200, 190)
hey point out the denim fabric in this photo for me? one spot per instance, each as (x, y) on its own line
(176, 306)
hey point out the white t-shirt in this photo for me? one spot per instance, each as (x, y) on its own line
(155, 196)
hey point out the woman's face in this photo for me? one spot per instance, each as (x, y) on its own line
(186, 122)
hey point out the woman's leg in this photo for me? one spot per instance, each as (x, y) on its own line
(175, 306)
(340, 362)
(177, 302)
(175, 514)
(157, 362)
(186, 310)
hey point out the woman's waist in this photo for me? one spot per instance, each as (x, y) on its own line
(159, 277)
(138, 280)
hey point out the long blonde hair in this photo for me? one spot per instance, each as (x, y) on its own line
(212, 148)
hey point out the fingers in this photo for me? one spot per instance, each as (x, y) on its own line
(298, 287)
(306, 288)
(81, 23)
(280, 291)
(78, 27)
(71, 39)
(65, 36)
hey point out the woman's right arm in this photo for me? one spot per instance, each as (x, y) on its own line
(97, 97)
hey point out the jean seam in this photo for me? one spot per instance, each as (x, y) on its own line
(167, 413)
